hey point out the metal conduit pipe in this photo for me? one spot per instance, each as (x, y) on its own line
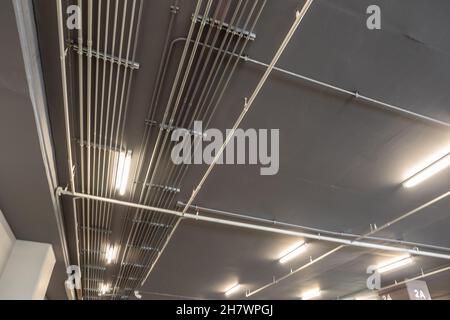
(62, 53)
(126, 104)
(190, 216)
(253, 15)
(146, 234)
(144, 195)
(154, 101)
(373, 294)
(286, 40)
(355, 94)
(388, 224)
(320, 231)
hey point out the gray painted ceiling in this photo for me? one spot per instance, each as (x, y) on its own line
(24, 192)
(341, 161)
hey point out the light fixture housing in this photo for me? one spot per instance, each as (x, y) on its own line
(311, 294)
(293, 252)
(233, 289)
(428, 171)
(123, 171)
(394, 264)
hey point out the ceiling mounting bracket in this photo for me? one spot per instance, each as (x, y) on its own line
(174, 9)
(226, 27)
(104, 56)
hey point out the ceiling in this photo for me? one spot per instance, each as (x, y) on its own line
(342, 160)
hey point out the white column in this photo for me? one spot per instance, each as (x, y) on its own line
(7, 241)
(26, 266)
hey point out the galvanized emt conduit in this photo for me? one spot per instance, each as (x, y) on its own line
(62, 53)
(306, 228)
(254, 15)
(386, 225)
(143, 195)
(197, 217)
(298, 19)
(366, 294)
(149, 237)
(355, 94)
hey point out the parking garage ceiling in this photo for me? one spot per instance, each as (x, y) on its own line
(342, 159)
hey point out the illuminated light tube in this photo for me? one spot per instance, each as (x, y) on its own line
(428, 172)
(104, 288)
(234, 289)
(123, 171)
(311, 294)
(111, 253)
(293, 253)
(394, 264)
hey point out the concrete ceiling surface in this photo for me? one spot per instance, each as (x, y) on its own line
(342, 161)
(24, 191)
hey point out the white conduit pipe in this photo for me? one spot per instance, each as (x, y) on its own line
(355, 94)
(388, 224)
(299, 17)
(363, 244)
(62, 52)
(375, 294)
(323, 231)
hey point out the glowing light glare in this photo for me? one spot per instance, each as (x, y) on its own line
(111, 253)
(368, 297)
(104, 288)
(233, 289)
(394, 264)
(123, 171)
(293, 252)
(428, 171)
(311, 294)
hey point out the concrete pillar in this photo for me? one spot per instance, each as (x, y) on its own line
(25, 267)
(7, 241)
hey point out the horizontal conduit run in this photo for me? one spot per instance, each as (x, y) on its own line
(196, 217)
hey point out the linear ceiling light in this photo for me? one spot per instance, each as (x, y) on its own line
(293, 252)
(233, 289)
(123, 171)
(428, 172)
(311, 294)
(104, 288)
(394, 264)
(111, 253)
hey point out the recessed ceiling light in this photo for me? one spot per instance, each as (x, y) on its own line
(233, 289)
(123, 171)
(428, 171)
(394, 264)
(293, 252)
(311, 294)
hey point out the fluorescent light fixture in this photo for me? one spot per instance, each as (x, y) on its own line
(394, 264)
(293, 252)
(123, 171)
(428, 172)
(311, 294)
(233, 289)
(104, 288)
(111, 253)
